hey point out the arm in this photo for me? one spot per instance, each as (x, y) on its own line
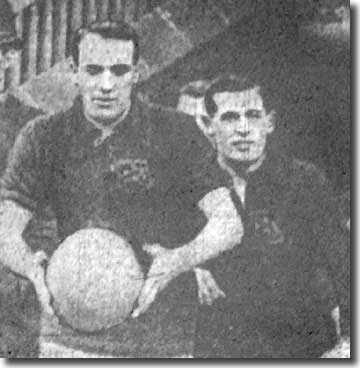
(17, 255)
(332, 241)
(14, 252)
(223, 231)
(21, 192)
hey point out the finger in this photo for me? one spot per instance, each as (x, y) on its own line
(200, 295)
(143, 307)
(146, 298)
(203, 289)
(45, 304)
(149, 285)
(43, 293)
(212, 285)
(210, 289)
(40, 257)
(200, 298)
(208, 299)
(205, 293)
(214, 289)
(154, 249)
(216, 293)
(200, 288)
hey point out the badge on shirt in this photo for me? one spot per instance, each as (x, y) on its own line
(132, 175)
(266, 227)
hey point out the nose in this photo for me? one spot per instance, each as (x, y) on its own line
(242, 127)
(243, 134)
(106, 82)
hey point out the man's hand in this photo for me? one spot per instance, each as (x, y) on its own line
(165, 268)
(208, 289)
(37, 277)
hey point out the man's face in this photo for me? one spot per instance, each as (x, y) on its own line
(8, 57)
(241, 125)
(105, 76)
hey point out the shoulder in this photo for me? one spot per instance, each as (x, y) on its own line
(303, 175)
(310, 189)
(14, 114)
(309, 171)
(45, 127)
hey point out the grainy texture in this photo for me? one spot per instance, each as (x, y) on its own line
(71, 169)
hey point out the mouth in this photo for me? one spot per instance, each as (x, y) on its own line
(104, 101)
(242, 146)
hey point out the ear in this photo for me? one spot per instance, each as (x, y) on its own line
(143, 71)
(136, 74)
(271, 121)
(75, 75)
(206, 124)
(73, 66)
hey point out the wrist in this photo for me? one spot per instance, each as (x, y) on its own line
(35, 265)
(184, 259)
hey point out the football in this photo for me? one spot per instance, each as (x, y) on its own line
(94, 279)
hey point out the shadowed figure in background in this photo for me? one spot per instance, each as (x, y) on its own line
(18, 305)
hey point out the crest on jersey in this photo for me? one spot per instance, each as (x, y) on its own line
(266, 227)
(132, 175)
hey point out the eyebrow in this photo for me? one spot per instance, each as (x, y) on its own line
(253, 113)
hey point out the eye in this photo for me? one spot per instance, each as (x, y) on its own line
(253, 114)
(120, 69)
(94, 69)
(230, 116)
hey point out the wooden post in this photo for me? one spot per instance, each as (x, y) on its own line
(2, 79)
(14, 71)
(19, 24)
(45, 36)
(117, 8)
(91, 16)
(77, 14)
(129, 10)
(31, 41)
(142, 8)
(60, 30)
(104, 10)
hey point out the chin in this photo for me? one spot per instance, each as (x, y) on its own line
(106, 115)
(241, 157)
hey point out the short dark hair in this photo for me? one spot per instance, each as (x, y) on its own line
(229, 83)
(118, 30)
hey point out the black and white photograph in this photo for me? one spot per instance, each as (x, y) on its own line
(175, 179)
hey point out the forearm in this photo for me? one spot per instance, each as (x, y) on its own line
(219, 235)
(14, 252)
(16, 255)
(223, 231)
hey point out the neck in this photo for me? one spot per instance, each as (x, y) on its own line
(243, 168)
(108, 125)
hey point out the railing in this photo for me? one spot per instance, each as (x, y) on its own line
(47, 26)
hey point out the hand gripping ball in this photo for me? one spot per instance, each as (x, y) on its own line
(94, 279)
